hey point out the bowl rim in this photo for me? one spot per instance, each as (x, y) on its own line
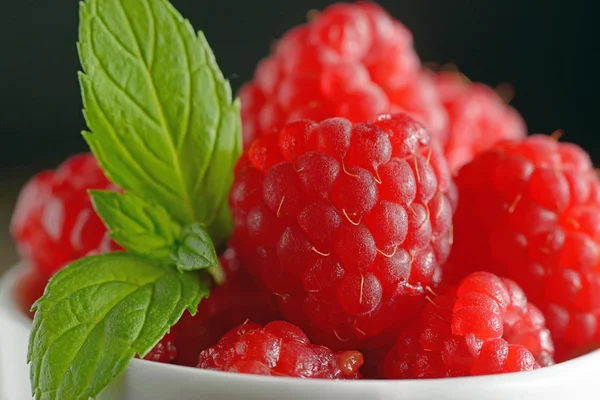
(9, 306)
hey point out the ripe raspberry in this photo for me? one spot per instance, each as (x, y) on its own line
(485, 326)
(346, 224)
(530, 210)
(28, 289)
(353, 61)
(54, 222)
(478, 118)
(164, 352)
(278, 349)
(229, 305)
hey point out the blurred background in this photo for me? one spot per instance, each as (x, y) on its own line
(543, 48)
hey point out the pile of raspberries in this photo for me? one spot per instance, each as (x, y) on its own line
(390, 222)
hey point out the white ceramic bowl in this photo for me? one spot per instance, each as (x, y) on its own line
(142, 380)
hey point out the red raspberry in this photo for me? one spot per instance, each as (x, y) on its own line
(164, 352)
(54, 222)
(485, 326)
(530, 210)
(28, 289)
(278, 349)
(353, 61)
(346, 224)
(478, 118)
(229, 305)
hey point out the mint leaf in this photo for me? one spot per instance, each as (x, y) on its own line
(162, 119)
(139, 225)
(96, 314)
(195, 250)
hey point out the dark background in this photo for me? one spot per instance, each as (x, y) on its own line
(543, 48)
(538, 46)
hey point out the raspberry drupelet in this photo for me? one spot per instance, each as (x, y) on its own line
(236, 300)
(54, 222)
(530, 210)
(346, 224)
(478, 118)
(485, 326)
(351, 60)
(278, 349)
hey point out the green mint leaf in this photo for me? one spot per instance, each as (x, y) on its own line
(99, 312)
(162, 119)
(195, 250)
(139, 225)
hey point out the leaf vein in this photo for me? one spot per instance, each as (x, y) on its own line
(91, 376)
(101, 319)
(128, 153)
(122, 45)
(189, 95)
(47, 349)
(147, 308)
(127, 95)
(152, 48)
(176, 165)
(204, 173)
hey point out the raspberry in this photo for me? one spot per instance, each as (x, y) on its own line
(530, 210)
(164, 352)
(353, 61)
(54, 222)
(229, 305)
(28, 289)
(346, 224)
(485, 326)
(278, 349)
(478, 118)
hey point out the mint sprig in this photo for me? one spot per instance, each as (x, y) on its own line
(162, 119)
(165, 129)
(100, 312)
